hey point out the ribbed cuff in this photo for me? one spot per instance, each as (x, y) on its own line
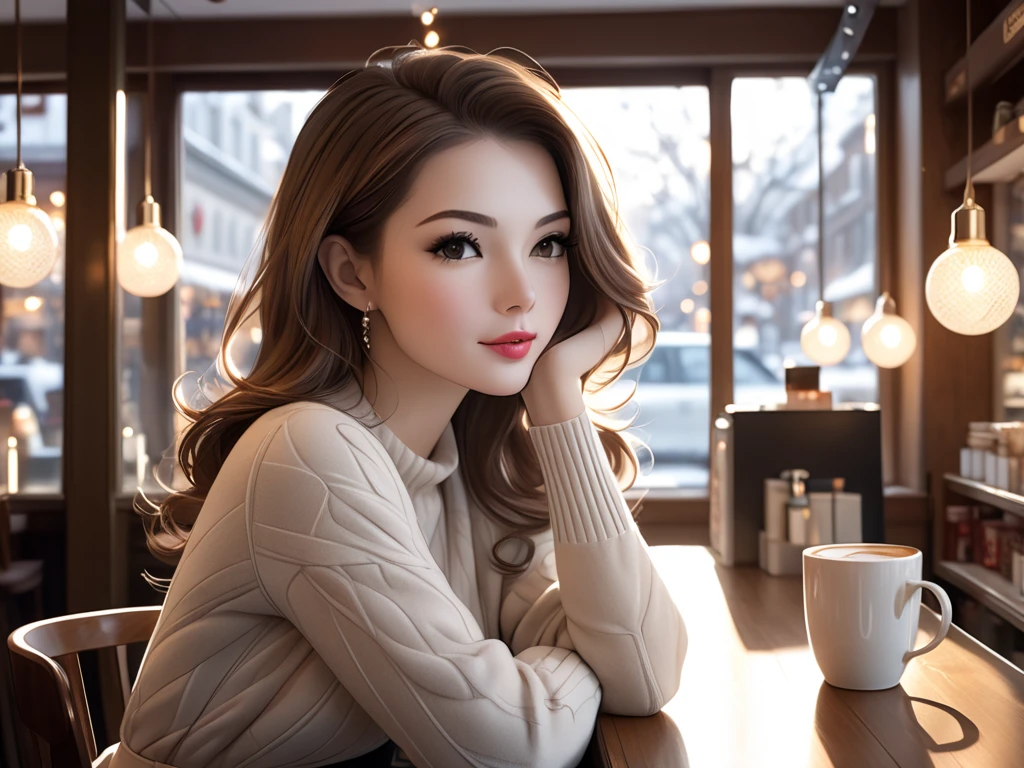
(584, 499)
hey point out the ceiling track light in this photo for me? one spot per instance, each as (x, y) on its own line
(838, 54)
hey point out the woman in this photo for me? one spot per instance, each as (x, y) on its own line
(368, 551)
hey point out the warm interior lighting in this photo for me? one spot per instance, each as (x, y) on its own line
(28, 242)
(686, 305)
(700, 252)
(57, 198)
(798, 279)
(972, 288)
(702, 320)
(149, 258)
(887, 338)
(33, 304)
(700, 288)
(824, 339)
(431, 39)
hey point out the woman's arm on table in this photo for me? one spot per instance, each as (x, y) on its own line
(339, 553)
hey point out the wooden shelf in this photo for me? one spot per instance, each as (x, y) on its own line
(986, 494)
(1000, 159)
(987, 587)
(992, 54)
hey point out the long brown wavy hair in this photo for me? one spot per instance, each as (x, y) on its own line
(352, 165)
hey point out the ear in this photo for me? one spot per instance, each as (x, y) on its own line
(349, 273)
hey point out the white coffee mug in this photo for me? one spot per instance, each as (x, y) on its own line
(862, 603)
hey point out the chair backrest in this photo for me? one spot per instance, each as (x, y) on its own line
(47, 675)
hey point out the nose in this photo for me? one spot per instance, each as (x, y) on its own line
(513, 288)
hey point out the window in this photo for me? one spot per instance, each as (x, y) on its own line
(216, 114)
(32, 352)
(218, 224)
(656, 141)
(228, 201)
(775, 186)
(236, 137)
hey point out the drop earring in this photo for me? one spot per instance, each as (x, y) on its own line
(366, 327)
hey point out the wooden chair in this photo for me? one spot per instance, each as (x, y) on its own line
(48, 684)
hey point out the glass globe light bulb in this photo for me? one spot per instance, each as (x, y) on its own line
(887, 338)
(972, 288)
(149, 257)
(29, 247)
(824, 339)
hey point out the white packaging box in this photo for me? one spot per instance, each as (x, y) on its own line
(1003, 472)
(965, 462)
(977, 464)
(847, 518)
(990, 468)
(776, 493)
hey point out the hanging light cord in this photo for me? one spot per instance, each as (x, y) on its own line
(150, 78)
(17, 37)
(969, 186)
(821, 205)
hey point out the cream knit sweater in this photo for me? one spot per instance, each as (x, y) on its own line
(337, 590)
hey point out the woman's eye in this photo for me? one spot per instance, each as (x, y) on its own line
(457, 249)
(550, 248)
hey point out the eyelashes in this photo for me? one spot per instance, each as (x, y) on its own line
(441, 247)
(455, 238)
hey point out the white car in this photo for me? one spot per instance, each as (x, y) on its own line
(672, 399)
(673, 395)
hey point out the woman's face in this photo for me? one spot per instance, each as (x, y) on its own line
(476, 253)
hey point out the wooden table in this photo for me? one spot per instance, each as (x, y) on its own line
(751, 693)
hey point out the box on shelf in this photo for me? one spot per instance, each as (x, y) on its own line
(958, 534)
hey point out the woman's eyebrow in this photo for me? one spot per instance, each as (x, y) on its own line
(488, 221)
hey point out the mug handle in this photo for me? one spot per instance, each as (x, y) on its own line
(947, 616)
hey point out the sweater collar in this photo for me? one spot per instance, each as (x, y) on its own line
(418, 473)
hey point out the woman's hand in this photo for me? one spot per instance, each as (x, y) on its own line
(554, 392)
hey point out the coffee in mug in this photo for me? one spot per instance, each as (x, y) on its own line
(862, 603)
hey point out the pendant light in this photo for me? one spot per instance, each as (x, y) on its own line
(887, 338)
(972, 288)
(28, 241)
(824, 339)
(149, 257)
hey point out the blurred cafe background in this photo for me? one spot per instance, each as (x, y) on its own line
(768, 155)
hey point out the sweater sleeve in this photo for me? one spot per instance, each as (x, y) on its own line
(608, 604)
(339, 553)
